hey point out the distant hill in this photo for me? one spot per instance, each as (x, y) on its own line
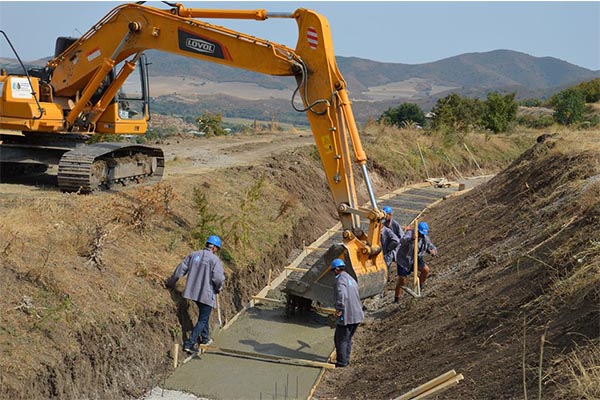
(373, 86)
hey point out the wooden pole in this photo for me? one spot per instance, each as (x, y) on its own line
(175, 354)
(423, 159)
(459, 175)
(416, 259)
(473, 157)
(269, 279)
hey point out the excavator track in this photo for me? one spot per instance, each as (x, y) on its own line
(108, 166)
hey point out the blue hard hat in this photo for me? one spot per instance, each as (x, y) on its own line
(214, 240)
(337, 263)
(387, 209)
(423, 228)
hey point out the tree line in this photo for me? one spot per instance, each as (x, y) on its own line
(498, 112)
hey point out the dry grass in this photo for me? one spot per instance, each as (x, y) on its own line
(577, 374)
(445, 153)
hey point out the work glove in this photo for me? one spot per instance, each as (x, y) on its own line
(170, 283)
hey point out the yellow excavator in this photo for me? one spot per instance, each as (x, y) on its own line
(87, 90)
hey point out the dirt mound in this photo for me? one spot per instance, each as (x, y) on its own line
(520, 261)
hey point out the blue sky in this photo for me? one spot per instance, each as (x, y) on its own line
(389, 31)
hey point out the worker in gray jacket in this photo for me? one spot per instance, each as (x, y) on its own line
(348, 310)
(405, 256)
(391, 223)
(205, 279)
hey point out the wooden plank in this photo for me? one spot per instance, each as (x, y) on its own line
(266, 299)
(294, 269)
(266, 357)
(440, 388)
(315, 248)
(324, 310)
(427, 385)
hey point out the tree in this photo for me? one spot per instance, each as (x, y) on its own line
(500, 111)
(211, 124)
(569, 106)
(406, 113)
(591, 90)
(456, 112)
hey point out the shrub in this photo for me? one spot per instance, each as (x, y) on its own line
(569, 106)
(500, 112)
(458, 113)
(543, 121)
(403, 115)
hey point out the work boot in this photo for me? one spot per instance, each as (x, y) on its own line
(396, 300)
(422, 290)
(190, 349)
(206, 342)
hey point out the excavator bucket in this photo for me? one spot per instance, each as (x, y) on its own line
(318, 282)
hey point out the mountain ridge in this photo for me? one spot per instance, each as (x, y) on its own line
(373, 86)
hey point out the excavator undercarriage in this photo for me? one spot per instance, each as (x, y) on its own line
(82, 168)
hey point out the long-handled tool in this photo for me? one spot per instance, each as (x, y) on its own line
(219, 312)
(417, 286)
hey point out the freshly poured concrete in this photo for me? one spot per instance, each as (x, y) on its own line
(264, 329)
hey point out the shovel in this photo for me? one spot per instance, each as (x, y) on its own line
(416, 293)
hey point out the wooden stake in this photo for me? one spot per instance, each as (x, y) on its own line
(269, 279)
(219, 311)
(175, 354)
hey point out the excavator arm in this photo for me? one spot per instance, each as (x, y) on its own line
(78, 73)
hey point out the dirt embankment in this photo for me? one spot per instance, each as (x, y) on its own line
(519, 261)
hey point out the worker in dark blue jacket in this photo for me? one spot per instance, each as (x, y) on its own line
(348, 310)
(405, 256)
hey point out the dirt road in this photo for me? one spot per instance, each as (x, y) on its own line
(184, 156)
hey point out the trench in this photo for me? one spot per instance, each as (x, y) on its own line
(263, 353)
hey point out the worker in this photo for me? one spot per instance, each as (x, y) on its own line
(348, 311)
(391, 223)
(405, 257)
(205, 279)
(389, 245)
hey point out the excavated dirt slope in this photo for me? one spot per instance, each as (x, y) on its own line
(84, 313)
(519, 260)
